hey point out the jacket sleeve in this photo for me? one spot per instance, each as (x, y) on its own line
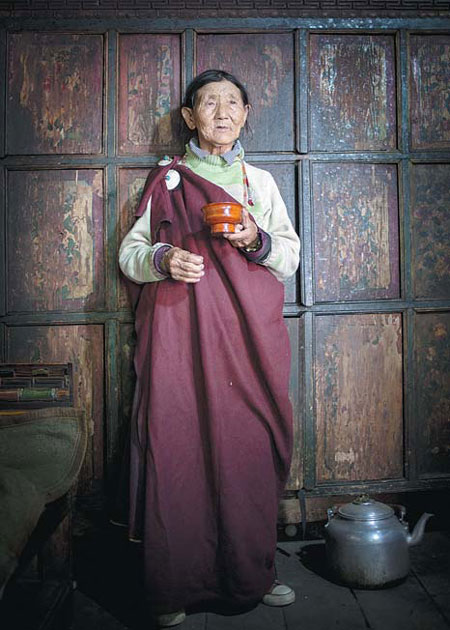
(284, 256)
(137, 252)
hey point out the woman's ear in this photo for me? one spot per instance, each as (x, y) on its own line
(188, 117)
(245, 124)
(247, 109)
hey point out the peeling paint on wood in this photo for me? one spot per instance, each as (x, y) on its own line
(356, 238)
(353, 92)
(358, 394)
(55, 93)
(55, 240)
(131, 185)
(431, 230)
(432, 388)
(264, 63)
(149, 92)
(430, 91)
(83, 347)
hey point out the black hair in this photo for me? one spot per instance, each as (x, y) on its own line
(208, 76)
(211, 76)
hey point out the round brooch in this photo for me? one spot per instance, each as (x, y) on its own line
(172, 179)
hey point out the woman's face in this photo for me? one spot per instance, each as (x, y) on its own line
(218, 116)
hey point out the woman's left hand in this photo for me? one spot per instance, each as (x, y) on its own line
(246, 233)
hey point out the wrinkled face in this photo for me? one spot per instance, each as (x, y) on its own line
(218, 116)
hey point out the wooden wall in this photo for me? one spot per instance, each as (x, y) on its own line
(352, 119)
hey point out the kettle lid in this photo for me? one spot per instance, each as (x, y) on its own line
(364, 508)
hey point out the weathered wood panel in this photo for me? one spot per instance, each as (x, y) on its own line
(352, 93)
(356, 239)
(432, 391)
(430, 91)
(264, 63)
(285, 177)
(55, 93)
(83, 347)
(55, 240)
(149, 93)
(131, 185)
(120, 433)
(296, 330)
(431, 230)
(127, 373)
(358, 397)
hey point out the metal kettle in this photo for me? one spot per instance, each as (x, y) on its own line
(367, 545)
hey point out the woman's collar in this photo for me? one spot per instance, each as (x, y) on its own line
(229, 156)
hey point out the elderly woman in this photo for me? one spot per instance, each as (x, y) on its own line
(212, 428)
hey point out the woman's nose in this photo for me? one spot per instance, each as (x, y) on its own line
(221, 111)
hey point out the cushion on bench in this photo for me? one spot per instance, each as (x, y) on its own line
(41, 453)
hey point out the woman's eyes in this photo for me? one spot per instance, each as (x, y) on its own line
(214, 103)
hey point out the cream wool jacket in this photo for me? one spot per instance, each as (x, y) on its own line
(137, 252)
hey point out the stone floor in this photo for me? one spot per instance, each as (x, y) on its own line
(108, 596)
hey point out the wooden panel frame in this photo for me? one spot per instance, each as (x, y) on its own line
(430, 210)
(148, 119)
(296, 331)
(351, 120)
(358, 368)
(54, 105)
(361, 197)
(432, 393)
(272, 118)
(61, 234)
(430, 91)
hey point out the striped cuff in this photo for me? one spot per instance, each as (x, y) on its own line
(157, 259)
(260, 255)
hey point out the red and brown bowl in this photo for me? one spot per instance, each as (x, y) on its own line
(222, 217)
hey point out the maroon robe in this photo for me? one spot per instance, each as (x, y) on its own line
(211, 436)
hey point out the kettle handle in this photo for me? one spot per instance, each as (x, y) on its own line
(400, 511)
(331, 512)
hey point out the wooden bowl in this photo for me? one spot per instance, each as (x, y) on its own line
(222, 217)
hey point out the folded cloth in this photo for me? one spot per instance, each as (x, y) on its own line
(41, 453)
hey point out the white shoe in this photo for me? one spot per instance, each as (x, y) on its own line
(279, 595)
(171, 619)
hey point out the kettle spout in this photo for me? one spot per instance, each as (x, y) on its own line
(417, 534)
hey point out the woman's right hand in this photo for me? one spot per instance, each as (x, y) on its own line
(183, 265)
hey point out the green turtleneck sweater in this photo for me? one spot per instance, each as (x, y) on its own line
(230, 177)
